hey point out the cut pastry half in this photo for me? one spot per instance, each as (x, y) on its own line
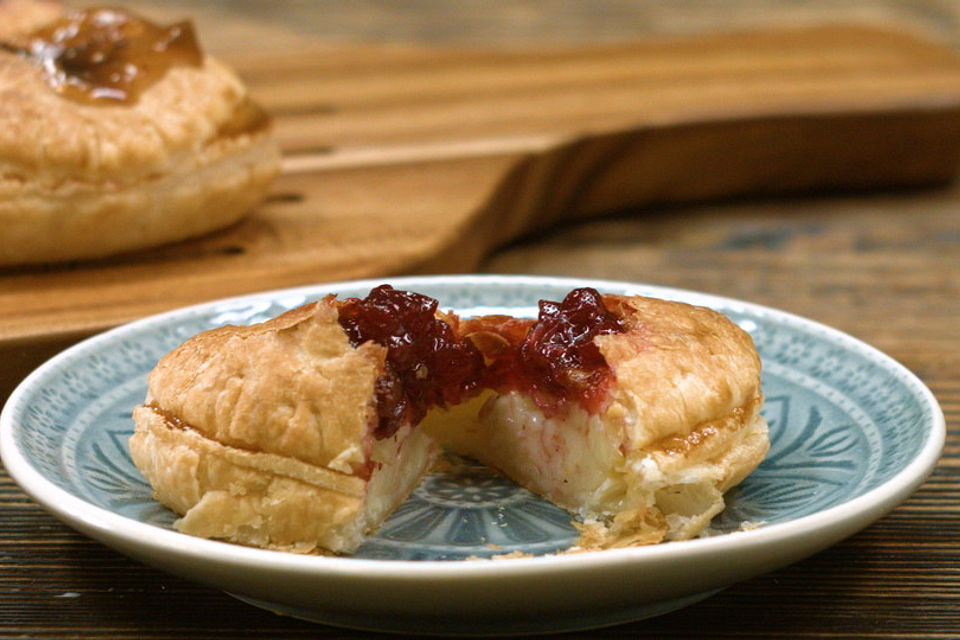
(306, 431)
(298, 433)
(634, 413)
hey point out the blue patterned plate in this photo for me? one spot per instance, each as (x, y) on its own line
(853, 434)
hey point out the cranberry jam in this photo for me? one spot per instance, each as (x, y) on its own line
(556, 361)
(427, 364)
(552, 359)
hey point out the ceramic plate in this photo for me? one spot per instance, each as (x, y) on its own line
(853, 434)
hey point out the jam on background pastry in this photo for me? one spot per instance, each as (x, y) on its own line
(117, 134)
(306, 431)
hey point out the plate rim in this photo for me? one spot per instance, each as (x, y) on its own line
(92, 519)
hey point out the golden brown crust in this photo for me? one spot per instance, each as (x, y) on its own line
(157, 424)
(676, 367)
(687, 402)
(269, 500)
(80, 180)
(261, 435)
(290, 386)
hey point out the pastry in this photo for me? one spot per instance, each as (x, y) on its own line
(117, 134)
(306, 431)
(298, 433)
(634, 413)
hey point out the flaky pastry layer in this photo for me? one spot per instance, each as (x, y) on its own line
(268, 500)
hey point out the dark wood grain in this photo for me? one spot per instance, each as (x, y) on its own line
(883, 265)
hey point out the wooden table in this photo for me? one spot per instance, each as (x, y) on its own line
(878, 262)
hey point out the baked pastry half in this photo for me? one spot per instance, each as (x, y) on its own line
(634, 413)
(117, 134)
(306, 431)
(298, 433)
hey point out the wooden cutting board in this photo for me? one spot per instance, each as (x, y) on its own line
(403, 160)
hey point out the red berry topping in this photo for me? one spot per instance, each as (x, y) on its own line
(555, 360)
(427, 364)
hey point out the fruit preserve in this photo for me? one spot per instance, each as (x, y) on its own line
(107, 56)
(553, 359)
(428, 365)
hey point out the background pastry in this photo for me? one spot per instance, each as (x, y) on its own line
(117, 134)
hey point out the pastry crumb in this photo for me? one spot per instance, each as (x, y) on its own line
(632, 528)
(511, 555)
